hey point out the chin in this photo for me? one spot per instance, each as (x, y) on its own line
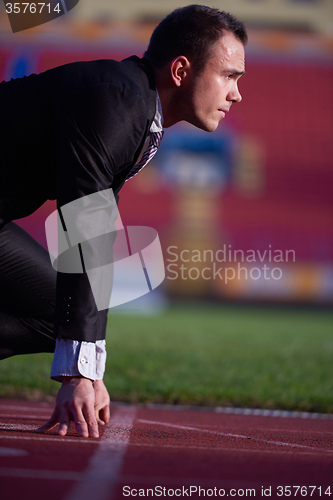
(213, 127)
(207, 126)
(210, 127)
(210, 124)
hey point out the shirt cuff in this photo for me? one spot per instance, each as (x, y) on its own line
(73, 358)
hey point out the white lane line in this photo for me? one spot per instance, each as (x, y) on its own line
(28, 409)
(261, 412)
(188, 428)
(106, 463)
(241, 436)
(17, 427)
(12, 452)
(23, 416)
(39, 474)
(51, 438)
(160, 445)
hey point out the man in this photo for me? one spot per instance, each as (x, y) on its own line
(81, 129)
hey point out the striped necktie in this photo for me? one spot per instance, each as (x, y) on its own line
(155, 139)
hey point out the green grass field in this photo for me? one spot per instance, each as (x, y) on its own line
(205, 355)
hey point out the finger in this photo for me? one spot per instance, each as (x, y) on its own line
(81, 424)
(91, 422)
(98, 420)
(104, 415)
(63, 427)
(99, 416)
(64, 421)
(46, 427)
(50, 424)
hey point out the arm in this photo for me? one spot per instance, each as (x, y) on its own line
(91, 142)
(81, 398)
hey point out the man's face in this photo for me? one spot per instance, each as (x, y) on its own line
(208, 96)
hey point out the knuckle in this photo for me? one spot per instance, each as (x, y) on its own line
(92, 423)
(80, 421)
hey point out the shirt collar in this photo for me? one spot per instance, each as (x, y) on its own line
(157, 125)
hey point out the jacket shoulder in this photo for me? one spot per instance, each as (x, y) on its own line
(128, 75)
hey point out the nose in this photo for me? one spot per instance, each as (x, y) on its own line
(234, 94)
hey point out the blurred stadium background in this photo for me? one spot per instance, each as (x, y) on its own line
(262, 182)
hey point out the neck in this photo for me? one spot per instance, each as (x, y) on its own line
(167, 97)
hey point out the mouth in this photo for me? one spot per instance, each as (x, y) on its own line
(223, 111)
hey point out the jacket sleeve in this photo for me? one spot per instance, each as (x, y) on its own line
(99, 134)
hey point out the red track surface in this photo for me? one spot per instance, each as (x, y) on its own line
(159, 453)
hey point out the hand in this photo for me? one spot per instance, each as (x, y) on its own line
(76, 401)
(102, 403)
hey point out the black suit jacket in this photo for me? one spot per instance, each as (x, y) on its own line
(66, 133)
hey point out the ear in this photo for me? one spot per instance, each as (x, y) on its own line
(179, 69)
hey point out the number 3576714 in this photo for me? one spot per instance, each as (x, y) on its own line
(31, 8)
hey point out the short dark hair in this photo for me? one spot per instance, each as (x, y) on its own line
(191, 31)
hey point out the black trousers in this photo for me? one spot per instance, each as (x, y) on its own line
(27, 294)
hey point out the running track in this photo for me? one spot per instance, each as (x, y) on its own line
(238, 455)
